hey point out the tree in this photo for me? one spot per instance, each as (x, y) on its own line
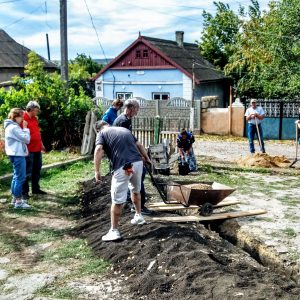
(81, 70)
(266, 55)
(63, 110)
(219, 34)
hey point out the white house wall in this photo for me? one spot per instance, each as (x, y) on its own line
(187, 87)
(142, 83)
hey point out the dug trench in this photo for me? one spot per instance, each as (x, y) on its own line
(162, 260)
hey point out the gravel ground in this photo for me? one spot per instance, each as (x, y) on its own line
(231, 151)
(277, 192)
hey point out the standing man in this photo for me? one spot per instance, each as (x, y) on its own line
(254, 116)
(35, 148)
(125, 155)
(131, 109)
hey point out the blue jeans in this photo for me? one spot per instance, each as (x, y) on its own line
(33, 172)
(19, 175)
(252, 131)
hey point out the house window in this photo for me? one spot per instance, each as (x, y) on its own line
(138, 54)
(145, 53)
(123, 96)
(160, 96)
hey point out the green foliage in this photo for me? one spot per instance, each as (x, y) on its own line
(259, 50)
(219, 34)
(81, 70)
(63, 110)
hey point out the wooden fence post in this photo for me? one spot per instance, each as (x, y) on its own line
(157, 129)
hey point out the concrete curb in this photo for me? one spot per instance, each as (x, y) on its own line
(50, 166)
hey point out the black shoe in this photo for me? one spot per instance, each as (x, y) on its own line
(146, 212)
(39, 192)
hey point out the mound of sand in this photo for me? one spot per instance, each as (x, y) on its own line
(264, 160)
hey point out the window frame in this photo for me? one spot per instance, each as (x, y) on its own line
(124, 95)
(160, 95)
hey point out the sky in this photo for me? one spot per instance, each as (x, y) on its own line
(103, 29)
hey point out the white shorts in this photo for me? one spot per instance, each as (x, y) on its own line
(121, 182)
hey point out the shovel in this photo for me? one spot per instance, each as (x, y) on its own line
(296, 158)
(162, 195)
(258, 133)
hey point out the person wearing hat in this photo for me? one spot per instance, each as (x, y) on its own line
(35, 148)
(254, 116)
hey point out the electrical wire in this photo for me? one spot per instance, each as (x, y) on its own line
(21, 19)
(100, 43)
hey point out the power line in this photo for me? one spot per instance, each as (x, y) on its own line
(21, 19)
(10, 1)
(114, 78)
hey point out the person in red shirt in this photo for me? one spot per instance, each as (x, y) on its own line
(35, 149)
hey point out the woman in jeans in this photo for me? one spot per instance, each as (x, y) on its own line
(16, 139)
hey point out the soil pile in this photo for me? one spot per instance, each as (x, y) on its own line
(264, 160)
(171, 261)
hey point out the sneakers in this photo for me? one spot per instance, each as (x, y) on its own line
(112, 235)
(146, 212)
(39, 192)
(138, 219)
(22, 205)
(13, 200)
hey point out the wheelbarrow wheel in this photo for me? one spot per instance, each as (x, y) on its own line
(206, 209)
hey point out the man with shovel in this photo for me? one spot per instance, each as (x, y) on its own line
(254, 116)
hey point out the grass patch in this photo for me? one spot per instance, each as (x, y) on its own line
(290, 232)
(57, 292)
(46, 235)
(12, 242)
(48, 158)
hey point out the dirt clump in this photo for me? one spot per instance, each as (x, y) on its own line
(172, 261)
(264, 160)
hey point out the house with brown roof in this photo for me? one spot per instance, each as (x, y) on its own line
(153, 68)
(14, 57)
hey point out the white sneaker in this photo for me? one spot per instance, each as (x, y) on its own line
(112, 235)
(13, 201)
(22, 205)
(138, 219)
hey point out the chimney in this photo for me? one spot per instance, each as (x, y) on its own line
(179, 38)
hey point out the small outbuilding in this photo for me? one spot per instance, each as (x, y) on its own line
(14, 57)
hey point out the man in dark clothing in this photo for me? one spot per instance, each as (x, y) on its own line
(185, 142)
(131, 109)
(125, 120)
(127, 165)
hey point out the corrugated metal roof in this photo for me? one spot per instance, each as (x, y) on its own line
(14, 55)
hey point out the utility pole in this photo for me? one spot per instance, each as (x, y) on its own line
(63, 40)
(48, 48)
(192, 111)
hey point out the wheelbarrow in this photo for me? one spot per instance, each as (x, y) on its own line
(203, 194)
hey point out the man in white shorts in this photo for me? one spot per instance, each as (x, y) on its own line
(126, 156)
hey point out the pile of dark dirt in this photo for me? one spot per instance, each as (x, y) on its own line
(264, 160)
(171, 261)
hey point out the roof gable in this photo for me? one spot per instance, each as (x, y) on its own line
(14, 55)
(164, 54)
